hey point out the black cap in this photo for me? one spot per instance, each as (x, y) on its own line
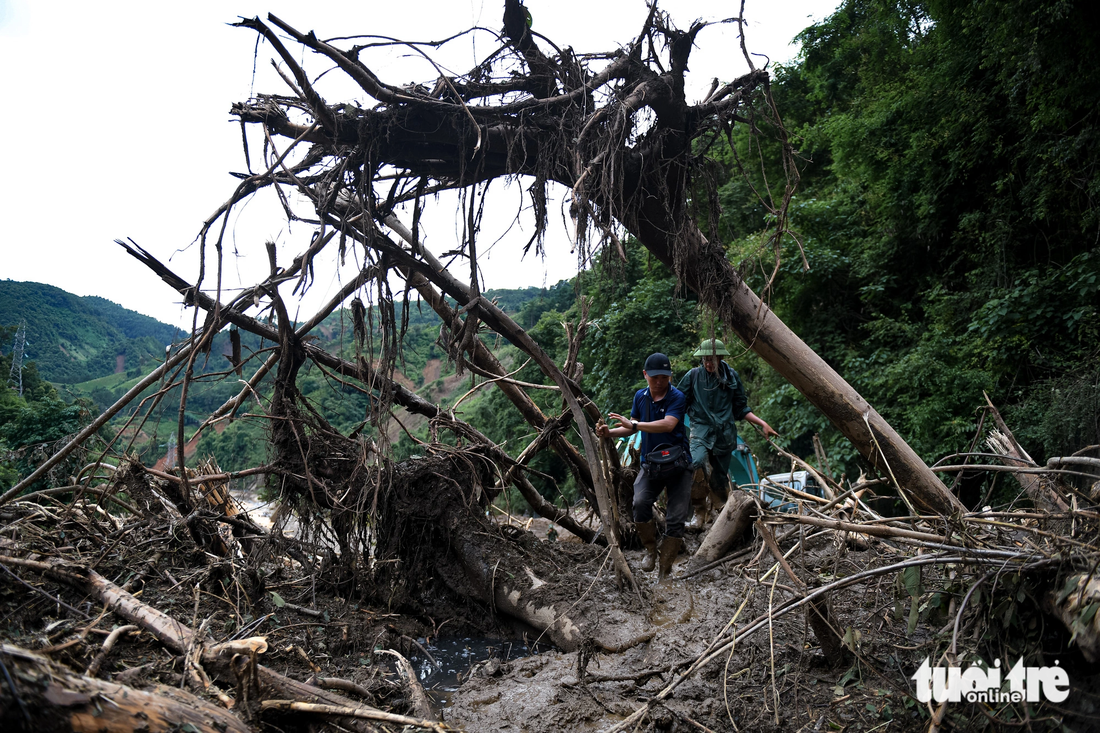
(658, 365)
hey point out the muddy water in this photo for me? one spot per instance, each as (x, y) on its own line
(455, 660)
(262, 511)
(452, 661)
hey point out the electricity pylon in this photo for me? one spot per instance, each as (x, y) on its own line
(15, 376)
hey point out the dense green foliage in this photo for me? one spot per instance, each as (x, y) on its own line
(948, 209)
(31, 425)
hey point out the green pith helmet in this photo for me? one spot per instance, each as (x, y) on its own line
(711, 347)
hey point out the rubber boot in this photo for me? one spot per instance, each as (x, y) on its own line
(670, 548)
(647, 533)
(719, 492)
(700, 490)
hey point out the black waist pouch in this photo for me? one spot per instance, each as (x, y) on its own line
(667, 460)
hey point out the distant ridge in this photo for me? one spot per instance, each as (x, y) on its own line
(75, 339)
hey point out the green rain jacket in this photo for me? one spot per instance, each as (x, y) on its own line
(714, 404)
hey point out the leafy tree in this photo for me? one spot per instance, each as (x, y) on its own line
(31, 429)
(948, 213)
(635, 311)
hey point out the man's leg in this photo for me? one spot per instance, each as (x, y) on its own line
(720, 477)
(679, 508)
(700, 487)
(645, 494)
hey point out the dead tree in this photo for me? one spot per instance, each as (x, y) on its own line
(615, 129)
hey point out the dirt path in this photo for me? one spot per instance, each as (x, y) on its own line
(592, 689)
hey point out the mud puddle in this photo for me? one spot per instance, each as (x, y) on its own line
(453, 661)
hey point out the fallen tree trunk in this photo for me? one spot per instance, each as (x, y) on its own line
(729, 526)
(703, 267)
(507, 571)
(40, 695)
(1036, 487)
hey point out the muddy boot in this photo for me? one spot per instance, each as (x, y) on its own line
(670, 548)
(647, 533)
(719, 487)
(719, 493)
(700, 489)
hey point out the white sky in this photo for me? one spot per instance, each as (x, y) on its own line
(117, 124)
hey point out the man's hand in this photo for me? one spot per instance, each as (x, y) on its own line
(764, 427)
(624, 427)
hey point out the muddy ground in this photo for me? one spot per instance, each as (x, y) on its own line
(591, 689)
(320, 626)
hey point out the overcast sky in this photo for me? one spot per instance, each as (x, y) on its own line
(117, 124)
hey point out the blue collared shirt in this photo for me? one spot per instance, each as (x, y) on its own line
(645, 409)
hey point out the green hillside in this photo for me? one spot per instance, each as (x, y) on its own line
(75, 343)
(422, 366)
(75, 339)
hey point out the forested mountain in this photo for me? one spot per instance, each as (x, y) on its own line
(74, 339)
(950, 169)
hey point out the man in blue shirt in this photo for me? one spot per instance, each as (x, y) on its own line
(658, 413)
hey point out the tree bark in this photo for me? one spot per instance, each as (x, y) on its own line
(55, 698)
(703, 267)
(730, 526)
(1037, 487)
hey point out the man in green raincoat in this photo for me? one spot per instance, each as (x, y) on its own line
(715, 401)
